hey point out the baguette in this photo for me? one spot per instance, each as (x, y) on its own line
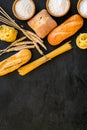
(14, 62)
(65, 30)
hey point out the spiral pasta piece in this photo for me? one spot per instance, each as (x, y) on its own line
(81, 41)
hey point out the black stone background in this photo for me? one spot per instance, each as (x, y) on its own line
(52, 97)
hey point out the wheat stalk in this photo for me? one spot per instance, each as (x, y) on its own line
(18, 45)
(5, 18)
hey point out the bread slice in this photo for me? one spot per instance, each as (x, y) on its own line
(58, 8)
(23, 9)
(42, 23)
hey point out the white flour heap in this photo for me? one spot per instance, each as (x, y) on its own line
(58, 7)
(83, 7)
(24, 8)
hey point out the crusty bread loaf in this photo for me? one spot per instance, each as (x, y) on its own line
(42, 23)
(14, 62)
(65, 30)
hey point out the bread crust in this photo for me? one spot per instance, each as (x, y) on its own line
(42, 23)
(14, 62)
(65, 30)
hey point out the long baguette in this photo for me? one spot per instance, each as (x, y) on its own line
(33, 65)
(65, 30)
(14, 62)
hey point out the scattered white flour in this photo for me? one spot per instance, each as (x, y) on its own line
(58, 7)
(83, 7)
(24, 8)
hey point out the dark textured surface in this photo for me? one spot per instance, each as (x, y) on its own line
(52, 97)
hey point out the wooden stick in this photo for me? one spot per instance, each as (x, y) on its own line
(33, 65)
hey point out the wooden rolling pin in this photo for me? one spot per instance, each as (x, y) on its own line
(33, 65)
